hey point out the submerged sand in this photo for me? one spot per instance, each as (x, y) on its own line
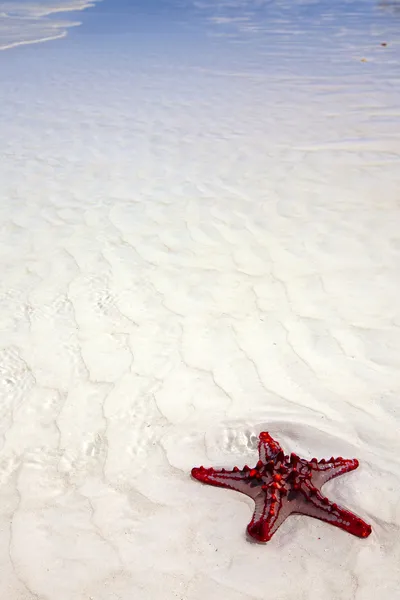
(199, 241)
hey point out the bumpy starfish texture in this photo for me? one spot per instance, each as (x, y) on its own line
(281, 485)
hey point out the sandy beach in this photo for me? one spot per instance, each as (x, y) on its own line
(200, 241)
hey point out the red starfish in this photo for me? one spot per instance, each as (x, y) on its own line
(281, 485)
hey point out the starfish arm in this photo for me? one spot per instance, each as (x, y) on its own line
(312, 503)
(232, 480)
(270, 511)
(268, 448)
(324, 470)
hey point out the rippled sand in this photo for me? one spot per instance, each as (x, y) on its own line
(199, 241)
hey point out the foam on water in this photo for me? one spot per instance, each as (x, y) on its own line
(29, 21)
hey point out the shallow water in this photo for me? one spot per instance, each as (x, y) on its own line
(199, 242)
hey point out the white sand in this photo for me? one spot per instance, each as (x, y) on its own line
(199, 240)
